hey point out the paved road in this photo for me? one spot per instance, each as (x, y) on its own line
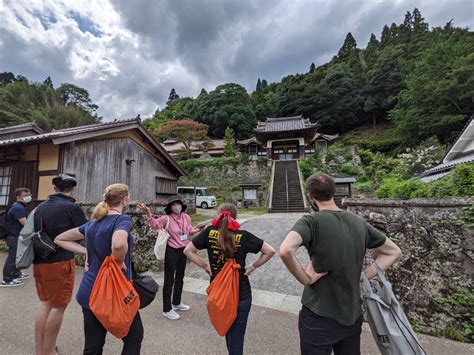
(273, 276)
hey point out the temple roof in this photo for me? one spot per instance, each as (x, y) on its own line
(284, 124)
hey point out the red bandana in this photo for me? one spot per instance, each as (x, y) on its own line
(232, 225)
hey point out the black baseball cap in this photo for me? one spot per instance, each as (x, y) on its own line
(64, 179)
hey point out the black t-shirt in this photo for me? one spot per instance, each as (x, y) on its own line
(16, 212)
(245, 243)
(56, 215)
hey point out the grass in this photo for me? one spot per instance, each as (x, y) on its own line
(197, 218)
(3, 246)
(256, 210)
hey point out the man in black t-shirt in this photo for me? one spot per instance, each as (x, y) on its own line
(15, 220)
(54, 276)
(336, 241)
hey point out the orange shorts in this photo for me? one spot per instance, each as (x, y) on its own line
(55, 282)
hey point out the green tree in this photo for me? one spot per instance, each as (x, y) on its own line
(228, 105)
(74, 95)
(229, 144)
(349, 46)
(172, 96)
(183, 131)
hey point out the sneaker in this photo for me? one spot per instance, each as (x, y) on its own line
(181, 307)
(171, 315)
(12, 283)
(22, 276)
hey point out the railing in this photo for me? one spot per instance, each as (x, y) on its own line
(303, 195)
(270, 192)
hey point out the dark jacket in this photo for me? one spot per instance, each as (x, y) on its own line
(54, 216)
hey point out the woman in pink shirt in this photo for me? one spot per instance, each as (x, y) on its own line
(179, 229)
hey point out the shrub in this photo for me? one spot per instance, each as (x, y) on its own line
(348, 170)
(459, 182)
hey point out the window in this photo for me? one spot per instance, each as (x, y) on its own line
(5, 178)
(165, 186)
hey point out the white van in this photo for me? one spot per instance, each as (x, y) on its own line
(203, 199)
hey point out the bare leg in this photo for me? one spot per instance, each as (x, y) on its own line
(51, 330)
(40, 323)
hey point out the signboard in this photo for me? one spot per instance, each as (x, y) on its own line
(250, 194)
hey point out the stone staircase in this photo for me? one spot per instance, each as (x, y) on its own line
(286, 191)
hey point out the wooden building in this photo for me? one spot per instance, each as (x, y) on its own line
(286, 138)
(214, 148)
(98, 155)
(461, 152)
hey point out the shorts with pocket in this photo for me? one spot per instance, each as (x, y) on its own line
(55, 282)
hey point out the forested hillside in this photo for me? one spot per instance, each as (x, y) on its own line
(417, 80)
(22, 101)
(420, 79)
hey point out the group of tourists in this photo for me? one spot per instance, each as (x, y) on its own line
(336, 241)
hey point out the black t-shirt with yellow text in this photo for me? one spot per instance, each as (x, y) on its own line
(245, 243)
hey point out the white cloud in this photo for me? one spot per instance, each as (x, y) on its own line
(129, 54)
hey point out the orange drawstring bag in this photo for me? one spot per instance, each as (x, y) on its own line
(223, 297)
(113, 299)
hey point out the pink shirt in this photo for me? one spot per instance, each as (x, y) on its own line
(178, 226)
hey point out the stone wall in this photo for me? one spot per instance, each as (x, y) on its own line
(434, 278)
(144, 236)
(223, 180)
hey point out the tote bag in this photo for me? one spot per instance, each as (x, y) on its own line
(390, 327)
(161, 242)
(223, 297)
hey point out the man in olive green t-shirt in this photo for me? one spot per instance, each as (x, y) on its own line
(336, 240)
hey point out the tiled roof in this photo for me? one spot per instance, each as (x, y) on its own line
(20, 130)
(172, 146)
(68, 132)
(469, 158)
(328, 137)
(462, 142)
(247, 141)
(433, 177)
(347, 179)
(284, 124)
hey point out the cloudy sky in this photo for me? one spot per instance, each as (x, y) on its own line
(130, 53)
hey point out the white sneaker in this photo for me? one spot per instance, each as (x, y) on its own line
(171, 315)
(181, 307)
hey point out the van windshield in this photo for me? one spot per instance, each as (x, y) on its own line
(202, 192)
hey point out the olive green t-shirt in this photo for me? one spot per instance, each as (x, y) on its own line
(336, 242)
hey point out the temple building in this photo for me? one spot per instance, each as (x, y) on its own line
(286, 138)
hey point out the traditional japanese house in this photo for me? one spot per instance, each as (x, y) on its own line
(98, 155)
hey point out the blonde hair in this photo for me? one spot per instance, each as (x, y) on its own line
(113, 195)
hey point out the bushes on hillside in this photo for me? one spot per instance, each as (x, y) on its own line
(459, 182)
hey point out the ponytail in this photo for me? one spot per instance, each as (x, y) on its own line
(113, 195)
(226, 240)
(100, 211)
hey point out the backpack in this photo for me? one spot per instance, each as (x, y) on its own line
(25, 254)
(223, 297)
(390, 327)
(113, 299)
(4, 224)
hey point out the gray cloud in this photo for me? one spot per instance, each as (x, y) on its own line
(129, 54)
